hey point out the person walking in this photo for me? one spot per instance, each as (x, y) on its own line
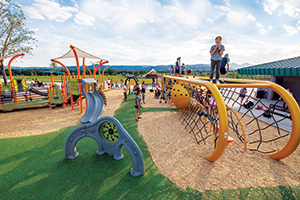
(125, 91)
(137, 105)
(225, 61)
(216, 52)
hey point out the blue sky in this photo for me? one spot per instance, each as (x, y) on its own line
(153, 32)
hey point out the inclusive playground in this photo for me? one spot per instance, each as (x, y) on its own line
(177, 142)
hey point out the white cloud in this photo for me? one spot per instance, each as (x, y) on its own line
(84, 19)
(291, 9)
(250, 17)
(270, 27)
(234, 17)
(49, 9)
(270, 5)
(290, 30)
(262, 31)
(259, 25)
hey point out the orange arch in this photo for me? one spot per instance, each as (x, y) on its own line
(68, 72)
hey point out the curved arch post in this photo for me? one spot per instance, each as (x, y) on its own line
(10, 76)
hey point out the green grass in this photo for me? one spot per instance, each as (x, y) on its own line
(34, 168)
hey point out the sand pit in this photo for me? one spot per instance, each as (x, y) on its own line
(178, 157)
(44, 120)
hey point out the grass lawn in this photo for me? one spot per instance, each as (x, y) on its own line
(34, 168)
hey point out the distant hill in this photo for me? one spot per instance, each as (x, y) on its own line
(201, 67)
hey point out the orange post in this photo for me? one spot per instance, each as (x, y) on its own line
(10, 76)
(26, 91)
(78, 76)
(52, 83)
(49, 95)
(103, 77)
(63, 96)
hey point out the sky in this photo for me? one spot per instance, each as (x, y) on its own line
(156, 32)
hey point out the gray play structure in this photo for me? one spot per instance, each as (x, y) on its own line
(108, 133)
(94, 100)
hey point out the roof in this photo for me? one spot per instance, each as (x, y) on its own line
(80, 54)
(52, 71)
(286, 67)
(152, 73)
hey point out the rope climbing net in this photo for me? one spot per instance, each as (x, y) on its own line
(262, 125)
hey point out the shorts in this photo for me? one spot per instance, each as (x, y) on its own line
(182, 72)
(242, 95)
(136, 107)
(177, 71)
(163, 98)
(143, 90)
(223, 70)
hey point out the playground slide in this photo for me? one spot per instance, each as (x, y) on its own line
(39, 92)
(95, 102)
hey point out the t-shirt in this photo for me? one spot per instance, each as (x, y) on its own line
(224, 61)
(177, 65)
(182, 68)
(216, 55)
(137, 99)
(124, 88)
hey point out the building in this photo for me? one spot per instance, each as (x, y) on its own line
(283, 72)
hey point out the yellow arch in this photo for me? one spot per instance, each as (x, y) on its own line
(293, 106)
(223, 119)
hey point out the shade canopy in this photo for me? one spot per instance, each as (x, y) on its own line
(151, 74)
(80, 54)
(52, 71)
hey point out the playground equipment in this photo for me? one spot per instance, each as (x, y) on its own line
(19, 95)
(77, 90)
(94, 99)
(110, 137)
(214, 111)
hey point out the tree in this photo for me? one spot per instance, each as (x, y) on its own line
(53, 65)
(14, 36)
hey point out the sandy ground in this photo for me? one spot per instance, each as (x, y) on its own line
(174, 151)
(44, 120)
(178, 157)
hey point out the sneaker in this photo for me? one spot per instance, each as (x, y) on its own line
(223, 82)
(217, 82)
(139, 118)
(211, 80)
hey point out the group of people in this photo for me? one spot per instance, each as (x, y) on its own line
(37, 83)
(179, 69)
(139, 96)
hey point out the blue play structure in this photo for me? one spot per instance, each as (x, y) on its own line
(107, 131)
(94, 100)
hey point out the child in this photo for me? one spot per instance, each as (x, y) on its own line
(172, 70)
(182, 69)
(137, 105)
(225, 61)
(243, 92)
(143, 97)
(216, 52)
(162, 97)
(125, 91)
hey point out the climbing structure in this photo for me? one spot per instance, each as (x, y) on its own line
(212, 112)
